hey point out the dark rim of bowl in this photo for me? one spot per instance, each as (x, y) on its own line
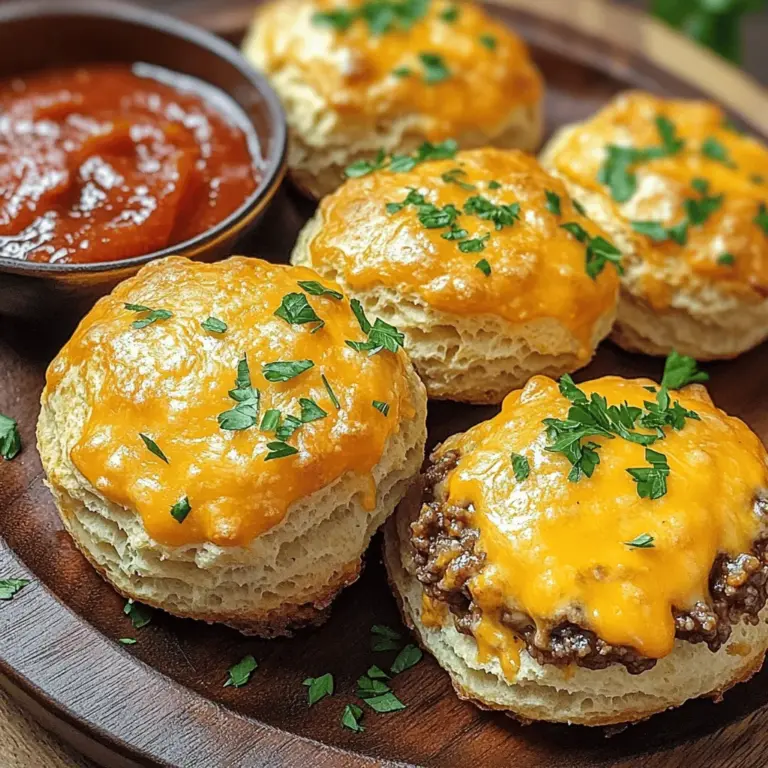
(274, 162)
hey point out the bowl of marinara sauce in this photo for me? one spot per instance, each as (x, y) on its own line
(125, 136)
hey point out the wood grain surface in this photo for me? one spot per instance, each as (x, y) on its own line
(162, 701)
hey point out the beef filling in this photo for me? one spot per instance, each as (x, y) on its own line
(444, 540)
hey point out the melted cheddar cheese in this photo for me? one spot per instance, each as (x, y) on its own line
(170, 381)
(556, 550)
(538, 269)
(665, 183)
(361, 74)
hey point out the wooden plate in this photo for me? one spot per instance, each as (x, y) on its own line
(162, 702)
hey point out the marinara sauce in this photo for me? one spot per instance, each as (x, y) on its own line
(106, 162)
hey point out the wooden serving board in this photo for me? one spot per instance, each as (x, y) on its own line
(162, 701)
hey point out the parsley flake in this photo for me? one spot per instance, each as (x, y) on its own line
(381, 407)
(643, 541)
(435, 68)
(350, 718)
(409, 657)
(9, 588)
(402, 72)
(599, 250)
(280, 450)
(489, 41)
(726, 259)
(127, 641)
(651, 481)
(493, 184)
(762, 218)
(153, 447)
(384, 639)
(214, 325)
(319, 688)
(553, 202)
(452, 177)
(285, 371)
(387, 702)
(271, 420)
(153, 316)
(139, 614)
(475, 245)
(180, 510)
(310, 410)
(483, 266)
(381, 16)
(681, 370)
(717, 151)
(246, 413)
(10, 439)
(295, 309)
(241, 672)
(520, 467)
(445, 150)
(313, 288)
(331, 393)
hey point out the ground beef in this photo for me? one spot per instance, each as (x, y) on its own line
(444, 540)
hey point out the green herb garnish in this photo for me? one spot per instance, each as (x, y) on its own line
(310, 410)
(384, 639)
(726, 259)
(652, 481)
(435, 68)
(214, 325)
(241, 672)
(180, 510)
(152, 317)
(409, 657)
(520, 467)
(762, 218)
(717, 151)
(153, 447)
(493, 184)
(319, 688)
(139, 614)
(313, 288)
(127, 641)
(9, 588)
(331, 393)
(502, 215)
(681, 370)
(452, 177)
(296, 310)
(280, 450)
(489, 41)
(10, 439)
(402, 72)
(387, 702)
(475, 245)
(285, 371)
(350, 718)
(553, 202)
(271, 420)
(643, 541)
(381, 407)
(445, 150)
(246, 413)
(599, 250)
(381, 16)
(483, 264)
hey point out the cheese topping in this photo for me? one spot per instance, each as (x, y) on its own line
(731, 246)
(537, 268)
(451, 55)
(557, 550)
(171, 380)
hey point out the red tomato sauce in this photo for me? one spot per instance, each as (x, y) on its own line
(107, 162)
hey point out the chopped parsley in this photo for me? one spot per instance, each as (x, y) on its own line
(493, 184)
(435, 68)
(9, 588)
(714, 150)
(386, 702)
(153, 447)
(475, 245)
(726, 259)
(657, 232)
(246, 413)
(553, 202)
(350, 718)
(381, 335)
(445, 150)
(271, 420)
(285, 371)
(489, 41)
(381, 407)
(409, 657)
(502, 215)
(616, 171)
(520, 467)
(599, 250)
(452, 177)
(381, 16)
(295, 309)
(681, 370)
(483, 264)
(643, 541)
(319, 688)
(280, 450)
(214, 325)
(140, 615)
(368, 687)
(127, 641)
(756, 178)
(384, 639)
(241, 672)
(331, 393)
(402, 72)
(10, 439)
(310, 411)
(377, 673)
(762, 218)
(180, 510)
(313, 288)
(651, 481)
(150, 315)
